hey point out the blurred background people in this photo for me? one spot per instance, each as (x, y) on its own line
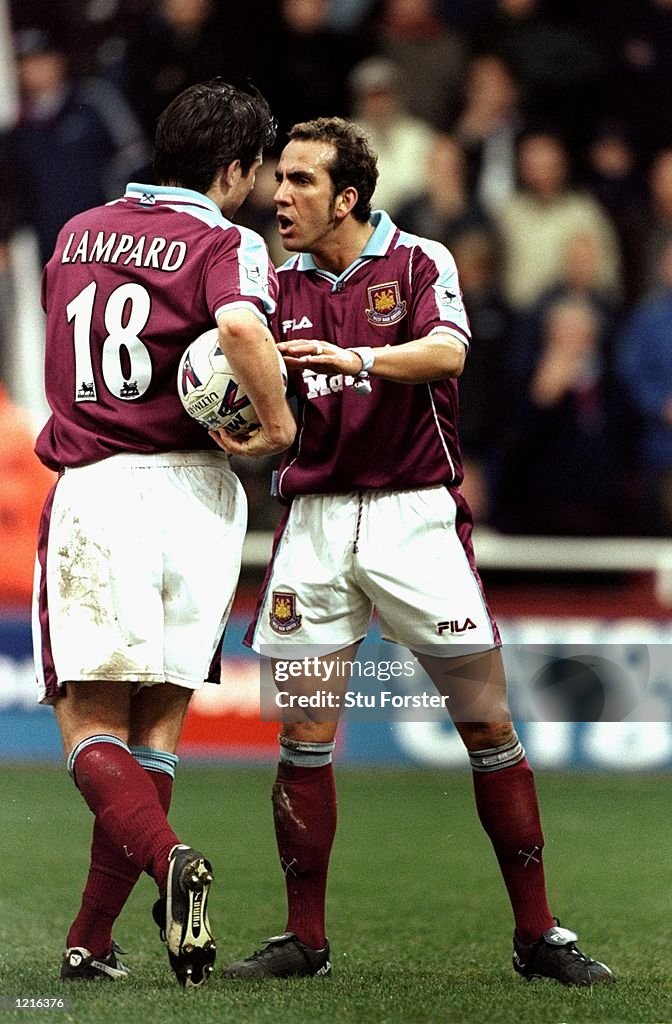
(561, 473)
(530, 136)
(655, 223)
(446, 208)
(401, 140)
(556, 65)
(488, 124)
(614, 176)
(539, 219)
(175, 43)
(483, 394)
(430, 53)
(634, 41)
(310, 63)
(644, 364)
(74, 144)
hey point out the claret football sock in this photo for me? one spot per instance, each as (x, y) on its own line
(304, 809)
(112, 876)
(125, 802)
(507, 806)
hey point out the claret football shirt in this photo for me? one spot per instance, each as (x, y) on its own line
(129, 285)
(401, 436)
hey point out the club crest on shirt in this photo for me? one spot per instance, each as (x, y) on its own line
(385, 304)
(283, 616)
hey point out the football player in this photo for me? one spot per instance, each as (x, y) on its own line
(376, 336)
(127, 622)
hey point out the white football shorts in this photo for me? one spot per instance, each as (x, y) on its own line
(138, 561)
(407, 554)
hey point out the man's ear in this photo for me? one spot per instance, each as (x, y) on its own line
(346, 201)
(227, 175)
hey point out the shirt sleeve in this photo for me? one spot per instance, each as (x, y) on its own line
(436, 297)
(242, 276)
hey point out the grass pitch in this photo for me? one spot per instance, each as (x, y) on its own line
(419, 921)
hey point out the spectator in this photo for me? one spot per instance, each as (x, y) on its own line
(445, 210)
(644, 362)
(614, 177)
(541, 217)
(483, 408)
(431, 56)
(311, 62)
(401, 141)
(555, 63)
(487, 126)
(25, 484)
(181, 42)
(74, 141)
(635, 40)
(560, 474)
(580, 281)
(655, 224)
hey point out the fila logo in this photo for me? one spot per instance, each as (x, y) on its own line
(454, 626)
(296, 325)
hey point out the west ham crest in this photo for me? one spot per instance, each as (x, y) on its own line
(283, 616)
(385, 304)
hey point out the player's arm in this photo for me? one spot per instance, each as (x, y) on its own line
(250, 349)
(437, 320)
(434, 357)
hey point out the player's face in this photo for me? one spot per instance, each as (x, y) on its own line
(304, 198)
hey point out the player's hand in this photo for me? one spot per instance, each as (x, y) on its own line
(255, 445)
(320, 354)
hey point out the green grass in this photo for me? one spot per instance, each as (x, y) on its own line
(419, 923)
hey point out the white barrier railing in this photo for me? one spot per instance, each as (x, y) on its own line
(565, 554)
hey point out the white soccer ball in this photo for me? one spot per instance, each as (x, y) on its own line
(209, 389)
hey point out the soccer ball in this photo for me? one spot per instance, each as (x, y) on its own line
(209, 390)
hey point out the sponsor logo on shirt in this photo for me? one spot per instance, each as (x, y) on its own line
(385, 304)
(320, 384)
(296, 325)
(283, 616)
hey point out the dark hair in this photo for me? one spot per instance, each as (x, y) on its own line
(354, 164)
(205, 128)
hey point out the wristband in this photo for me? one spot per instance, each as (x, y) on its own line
(367, 355)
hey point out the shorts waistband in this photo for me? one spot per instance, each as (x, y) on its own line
(154, 460)
(365, 493)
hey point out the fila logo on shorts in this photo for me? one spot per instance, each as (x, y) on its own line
(283, 616)
(454, 626)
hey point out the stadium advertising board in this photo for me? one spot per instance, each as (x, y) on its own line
(224, 722)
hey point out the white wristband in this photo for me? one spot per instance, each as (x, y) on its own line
(367, 355)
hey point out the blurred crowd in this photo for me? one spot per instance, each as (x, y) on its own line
(532, 137)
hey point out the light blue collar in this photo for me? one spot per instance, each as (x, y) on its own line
(377, 245)
(168, 192)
